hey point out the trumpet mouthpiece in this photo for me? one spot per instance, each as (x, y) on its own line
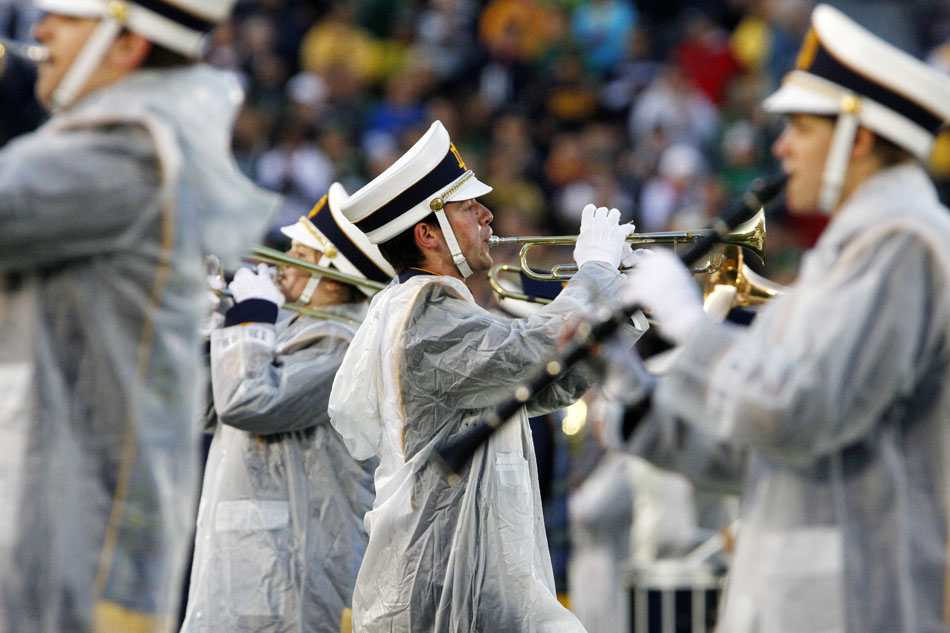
(36, 53)
(494, 240)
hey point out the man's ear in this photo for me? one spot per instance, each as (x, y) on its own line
(130, 51)
(427, 236)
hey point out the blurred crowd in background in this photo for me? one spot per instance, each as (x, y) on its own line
(650, 106)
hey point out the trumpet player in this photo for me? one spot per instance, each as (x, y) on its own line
(427, 362)
(280, 534)
(832, 410)
(105, 211)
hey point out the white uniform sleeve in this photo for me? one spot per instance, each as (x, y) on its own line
(263, 392)
(482, 357)
(819, 367)
(74, 194)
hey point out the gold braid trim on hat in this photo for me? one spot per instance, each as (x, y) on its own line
(438, 203)
(806, 56)
(328, 249)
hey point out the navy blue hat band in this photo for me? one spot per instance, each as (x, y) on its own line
(175, 14)
(326, 224)
(446, 172)
(827, 67)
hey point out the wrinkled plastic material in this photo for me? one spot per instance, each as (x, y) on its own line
(426, 363)
(280, 528)
(601, 516)
(835, 405)
(102, 214)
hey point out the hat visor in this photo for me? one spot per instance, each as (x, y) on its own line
(473, 188)
(792, 98)
(79, 8)
(298, 233)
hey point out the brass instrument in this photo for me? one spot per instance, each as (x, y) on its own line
(36, 53)
(213, 268)
(734, 284)
(729, 282)
(277, 258)
(507, 291)
(750, 234)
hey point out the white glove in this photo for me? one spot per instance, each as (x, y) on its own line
(626, 379)
(602, 238)
(249, 284)
(662, 284)
(628, 257)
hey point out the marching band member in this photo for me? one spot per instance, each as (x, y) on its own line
(837, 395)
(105, 213)
(280, 527)
(427, 362)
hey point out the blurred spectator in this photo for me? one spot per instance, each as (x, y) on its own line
(602, 29)
(512, 164)
(515, 34)
(601, 183)
(400, 108)
(570, 96)
(296, 168)
(767, 38)
(705, 56)
(672, 103)
(337, 41)
(306, 96)
(252, 131)
(634, 73)
(677, 189)
(741, 156)
(445, 37)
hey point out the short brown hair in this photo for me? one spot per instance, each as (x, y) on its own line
(401, 251)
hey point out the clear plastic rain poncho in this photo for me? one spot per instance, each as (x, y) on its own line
(835, 404)
(600, 510)
(104, 215)
(427, 363)
(280, 527)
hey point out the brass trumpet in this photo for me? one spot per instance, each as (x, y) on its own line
(36, 53)
(504, 291)
(277, 258)
(750, 235)
(213, 268)
(734, 284)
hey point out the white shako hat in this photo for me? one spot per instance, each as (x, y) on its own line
(430, 174)
(344, 247)
(178, 25)
(845, 70)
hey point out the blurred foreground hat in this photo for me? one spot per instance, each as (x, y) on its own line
(430, 174)
(343, 246)
(178, 25)
(845, 70)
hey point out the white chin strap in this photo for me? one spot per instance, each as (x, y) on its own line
(457, 257)
(839, 155)
(309, 289)
(85, 63)
(313, 282)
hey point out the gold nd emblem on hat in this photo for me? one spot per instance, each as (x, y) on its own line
(458, 157)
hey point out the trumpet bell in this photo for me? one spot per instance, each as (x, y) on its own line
(734, 284)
